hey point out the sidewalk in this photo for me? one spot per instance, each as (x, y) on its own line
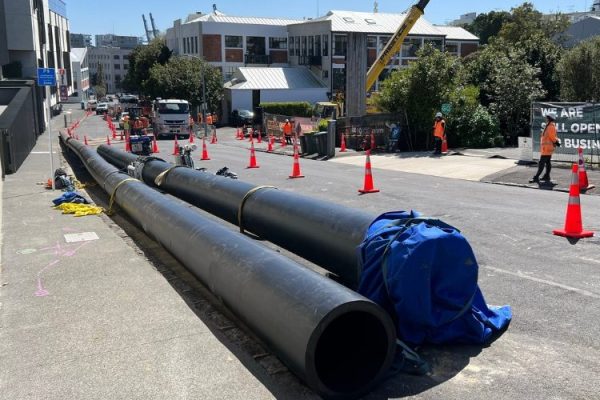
(99, 318)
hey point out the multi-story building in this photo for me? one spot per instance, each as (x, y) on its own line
(464, 19)
(124, 42)
(114, 62)
(35, 33)
(80, 40)
(321, 44)
(231, 42)
(81, 73)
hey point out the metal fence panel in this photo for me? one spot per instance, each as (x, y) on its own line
(577, 124)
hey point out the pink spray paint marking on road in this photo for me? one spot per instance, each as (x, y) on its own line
(60, 251)
(41, 291)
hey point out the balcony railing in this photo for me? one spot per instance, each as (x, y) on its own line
(257, 59)
(310, 60)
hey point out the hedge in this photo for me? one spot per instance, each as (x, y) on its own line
(291, 109)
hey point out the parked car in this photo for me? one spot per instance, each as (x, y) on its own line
(102, 108)
(92, 104)
(242, 117)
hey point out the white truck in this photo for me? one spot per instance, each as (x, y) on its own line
(171, 117)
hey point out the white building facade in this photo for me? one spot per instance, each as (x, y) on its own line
(81, 74)
(114, 62)
(231, 42)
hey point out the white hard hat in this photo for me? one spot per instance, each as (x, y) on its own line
(438, 115)
(551, 115)
(287, 120)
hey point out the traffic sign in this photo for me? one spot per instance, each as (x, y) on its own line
(46, 76)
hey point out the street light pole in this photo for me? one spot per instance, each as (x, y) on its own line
(203, 94)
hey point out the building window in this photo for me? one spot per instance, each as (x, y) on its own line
(117, 66)
(325, 45)
(297, 45)
(255, 45)
(318, 45)
(339, 79)
(410, 47)
(304, 46)
(437, 43)
(372, 42)
(311, 46)
(196, 44)
(228, 74)
(126, 57)
(117, 57)
(383, 40)
(277, 43)
(291, 52)
(126, 67)
(340, 45)
(453, 48)
(234, 42)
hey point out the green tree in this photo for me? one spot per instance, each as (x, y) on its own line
(512, 85)
(181, 78)
(535, 34)
(420, 90)
(100, 83)
(487, 25)
(579, 72)
(141, 60)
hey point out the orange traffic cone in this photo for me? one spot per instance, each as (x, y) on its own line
(191, 138)
(85, 140)
(240, 135)
(372, 141)
(444, 145)
(573, 224)
(368, 185)
(213, 139)
(343, 145)
(127, 145)
(296, 168)
(253, 163)
(583, 178)
(155, 145)
(205, 156)
(259, 137)
(114, 133)
(175, 147)
(270, 146)
(108, 140)
(282, 140)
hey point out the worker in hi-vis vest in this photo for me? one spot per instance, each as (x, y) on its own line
(439, 132)
(548, 141)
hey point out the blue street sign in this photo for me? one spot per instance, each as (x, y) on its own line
(46, 76)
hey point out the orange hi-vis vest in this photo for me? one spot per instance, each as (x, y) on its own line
(287, 128)
(209, 119)
(439, 128)
(548, 139)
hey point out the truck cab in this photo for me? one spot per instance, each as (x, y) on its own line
(325, 110)
(170, 117)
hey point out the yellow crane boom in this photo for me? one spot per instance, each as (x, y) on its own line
(394, 45)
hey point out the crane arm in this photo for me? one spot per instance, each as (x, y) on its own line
(394, 45)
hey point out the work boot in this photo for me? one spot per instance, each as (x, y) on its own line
(535, 179)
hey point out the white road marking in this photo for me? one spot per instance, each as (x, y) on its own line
(545, 282)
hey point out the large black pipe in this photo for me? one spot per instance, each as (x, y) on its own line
(325, 233)
(337, 341)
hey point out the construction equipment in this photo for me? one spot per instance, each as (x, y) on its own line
(394, 45)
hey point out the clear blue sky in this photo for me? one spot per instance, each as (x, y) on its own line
(124, 17)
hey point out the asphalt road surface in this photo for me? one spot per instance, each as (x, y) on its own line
(551, 349)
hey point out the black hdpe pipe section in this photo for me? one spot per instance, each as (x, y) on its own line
(324, 233)
(337, 341)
